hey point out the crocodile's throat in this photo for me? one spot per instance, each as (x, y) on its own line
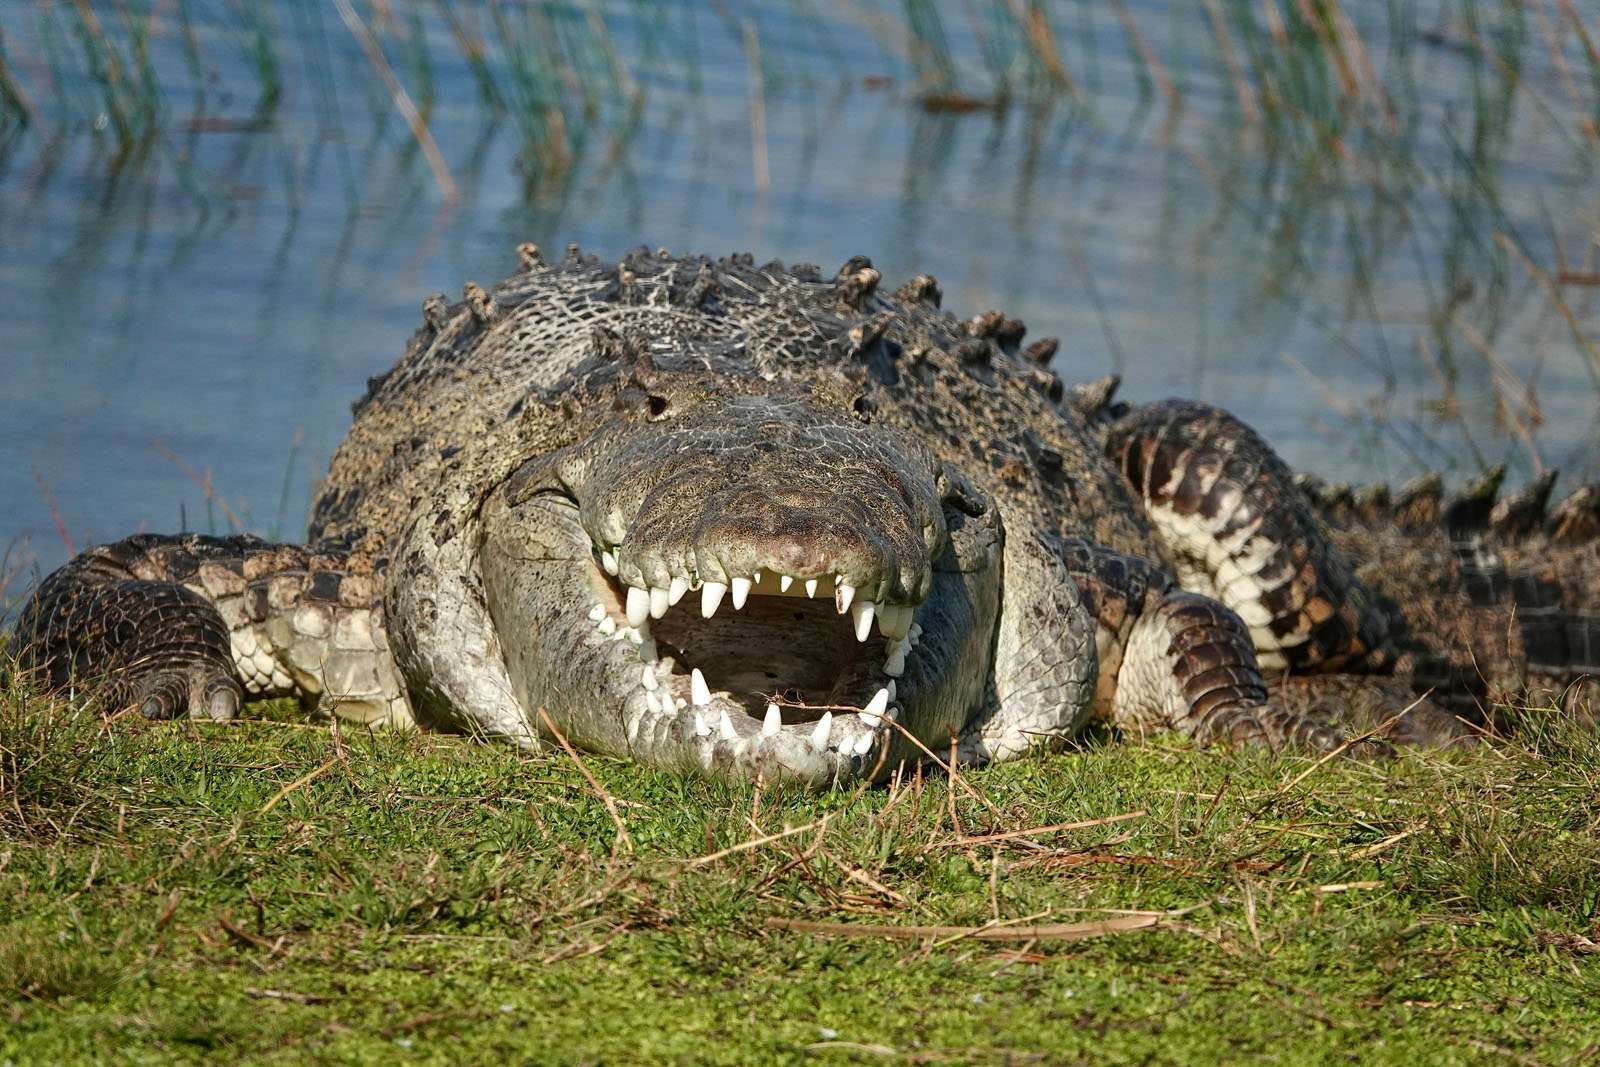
(763, 654)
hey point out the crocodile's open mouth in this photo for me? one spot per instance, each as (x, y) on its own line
(762, 657)
(815, 605)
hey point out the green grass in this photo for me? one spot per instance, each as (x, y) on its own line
(270, 891)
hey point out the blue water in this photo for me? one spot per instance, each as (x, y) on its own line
(183, 334)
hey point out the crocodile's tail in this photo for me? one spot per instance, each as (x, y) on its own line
(1224, 507)
(1503, 591)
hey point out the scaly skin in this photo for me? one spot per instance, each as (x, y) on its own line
(1502, 599)
(667, 507)
(190, 624)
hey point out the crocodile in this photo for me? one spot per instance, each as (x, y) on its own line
(752, 521)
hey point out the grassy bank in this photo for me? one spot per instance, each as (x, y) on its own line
(269, 891)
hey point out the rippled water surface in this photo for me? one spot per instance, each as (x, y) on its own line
(1373, 235)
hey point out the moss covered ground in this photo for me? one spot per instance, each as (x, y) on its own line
(272, 891)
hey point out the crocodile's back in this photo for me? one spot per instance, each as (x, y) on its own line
(464, 389)
(465, 376)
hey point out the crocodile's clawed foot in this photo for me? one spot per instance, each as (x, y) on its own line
(1383, 708)
(1425, 724)
(120, 642)
(1279, 729)
(1368, 748)
(167, 698)
(194, 694)
(1311, 735)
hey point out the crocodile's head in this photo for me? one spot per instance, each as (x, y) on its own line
(746, 577)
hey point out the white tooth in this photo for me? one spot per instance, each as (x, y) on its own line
(811, 588)
(608, 560)
(863, 618)
(676, 589)
(597, 613)
(773, 722)
(725, 728)
(784, 582)
(915, 631)
(741, 592)
(652, 700)
(895, 665)
(894, 619)
(626, 633)
(757, 577)
(638, 605)
(608, 626)
(890, 689)
(864, 744)
(637, 634)
(819, 736)
(711, 595)
(872, 714)
(647, 677)
(700, 727)
(658, 602)
(843, 594)
(699, 692)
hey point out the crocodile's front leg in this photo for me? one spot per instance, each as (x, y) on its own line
(193, 625)
(1171, 659)
(1044, 655)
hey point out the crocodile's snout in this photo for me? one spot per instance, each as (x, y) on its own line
(766, 484)
(867, 539)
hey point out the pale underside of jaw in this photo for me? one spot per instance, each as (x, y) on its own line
(766, 662)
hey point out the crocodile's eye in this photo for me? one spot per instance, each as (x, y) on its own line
(864, 408)
(657, 406)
